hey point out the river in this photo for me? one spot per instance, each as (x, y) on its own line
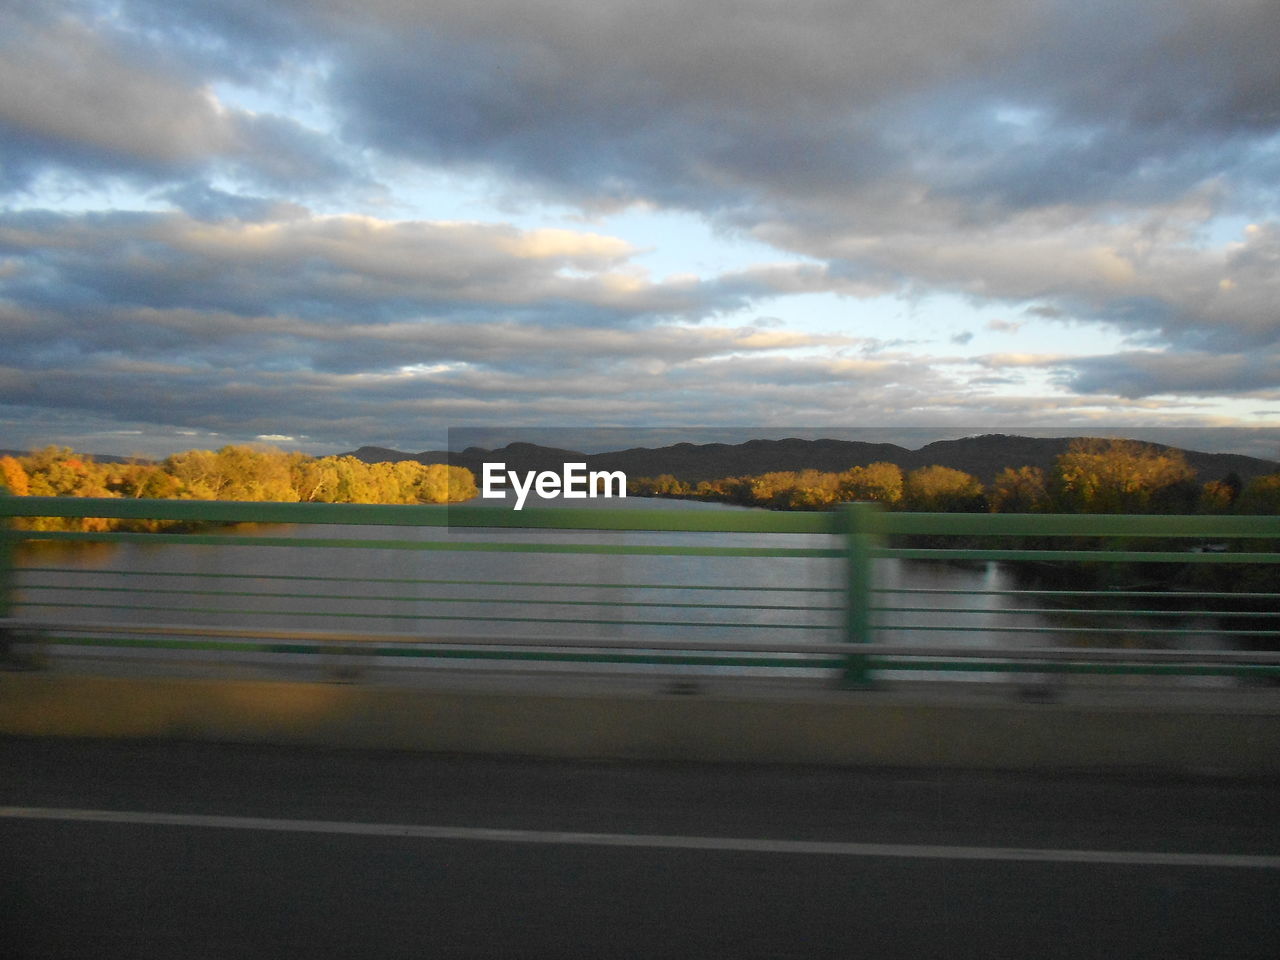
(468, 594)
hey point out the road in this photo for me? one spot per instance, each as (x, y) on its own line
(170, 850)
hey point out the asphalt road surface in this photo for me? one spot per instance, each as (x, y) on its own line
(186, 851)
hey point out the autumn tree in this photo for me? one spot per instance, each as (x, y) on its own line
(1020, 490)
(61, 472)
(315, 479)
(882, 482)
(940, 489)
(1122, 476)
(1217, 496)
(14, 477)
(462, 484)
(663, 485)
(199, 473)
(249, 473)
(137, 480)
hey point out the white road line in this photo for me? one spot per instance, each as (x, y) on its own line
(731, 844)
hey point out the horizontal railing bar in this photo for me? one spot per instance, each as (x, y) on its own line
(1145, 631)
(1108, 669)
(423, 515)
(653, 521)
(1102, 612)
(664, 604)
(710, 521)
(1251, 527)
(723, 660)
(451, 653)
(1126, 594)
(342, 637)
(179, 591)
(435, 616)
(464, 546)
(432, 581)
(437, 545)
(1062, 556)
(461, 546)
(1100, 654)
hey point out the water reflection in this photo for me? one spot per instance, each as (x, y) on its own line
(466, 594)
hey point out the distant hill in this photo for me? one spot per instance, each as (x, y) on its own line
(387, 455)
(95, 457)
(983, 456)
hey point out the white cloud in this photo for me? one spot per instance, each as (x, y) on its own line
(1069, 165)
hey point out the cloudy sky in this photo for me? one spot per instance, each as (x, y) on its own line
(325, 223)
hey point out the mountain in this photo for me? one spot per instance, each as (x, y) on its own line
(987, 455)
(95, 457)
(387, 455)
(983, 456)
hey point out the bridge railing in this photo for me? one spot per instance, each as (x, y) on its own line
(738, 590)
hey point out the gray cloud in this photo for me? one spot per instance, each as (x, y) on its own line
(747, 105)
(1141, 374)
(78, 96)
(343, 408)
(354, 269)
(743, 109)
(1006, 326)
(1145, 373)
(1062, 159)
(753, 105)
(1147, 276)
(202, 202)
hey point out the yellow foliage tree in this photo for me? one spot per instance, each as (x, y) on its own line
(943, 490)
(1120, 476)
(882, 482)
(14, 477)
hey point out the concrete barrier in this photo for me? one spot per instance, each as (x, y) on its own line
(1229, 734)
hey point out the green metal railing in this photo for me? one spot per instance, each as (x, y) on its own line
(793, 619)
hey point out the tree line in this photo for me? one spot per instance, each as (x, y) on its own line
(234, 473)
(1093, 476)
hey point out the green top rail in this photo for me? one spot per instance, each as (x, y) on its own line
(1080, 525)
(656, 520)
(420, 515)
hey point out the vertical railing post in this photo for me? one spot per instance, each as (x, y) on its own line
(861, 537)
(6, 573)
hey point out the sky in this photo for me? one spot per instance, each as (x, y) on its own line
(333, 223)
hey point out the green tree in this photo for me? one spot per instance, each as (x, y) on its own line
(1260, 495)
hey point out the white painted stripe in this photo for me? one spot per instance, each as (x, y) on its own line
(732, 844)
